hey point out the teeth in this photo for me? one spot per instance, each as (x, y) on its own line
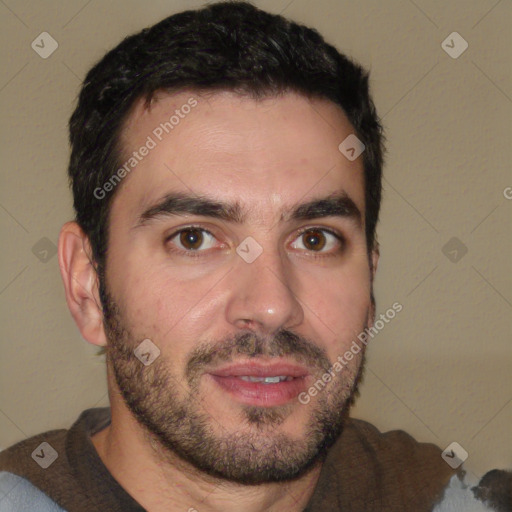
(266, 380)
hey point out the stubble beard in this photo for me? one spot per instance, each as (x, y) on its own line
(174, 418)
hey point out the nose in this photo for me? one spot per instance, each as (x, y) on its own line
(262, 297)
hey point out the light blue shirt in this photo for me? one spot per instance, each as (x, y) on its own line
(18, 495)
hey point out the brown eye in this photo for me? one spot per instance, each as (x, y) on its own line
(192, 241)
(191, 238)
(314, 240)
(319, 240)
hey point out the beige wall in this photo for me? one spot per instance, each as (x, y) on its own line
(440, 370)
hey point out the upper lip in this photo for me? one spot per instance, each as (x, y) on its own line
(261, 369)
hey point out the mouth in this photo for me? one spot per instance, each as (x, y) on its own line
(260, 384)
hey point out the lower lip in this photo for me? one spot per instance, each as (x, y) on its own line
(257, 393)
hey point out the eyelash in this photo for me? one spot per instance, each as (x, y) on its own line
(180, 252)
(195, 254)
(339, 237)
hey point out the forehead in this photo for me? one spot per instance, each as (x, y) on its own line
(265, 154)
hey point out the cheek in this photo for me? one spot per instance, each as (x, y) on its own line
(341, 300)
(162, 306)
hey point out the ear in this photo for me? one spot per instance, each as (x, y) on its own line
(374, 262)
(375, 259)
(81, 283)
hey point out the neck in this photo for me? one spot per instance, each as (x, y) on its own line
(161, 481)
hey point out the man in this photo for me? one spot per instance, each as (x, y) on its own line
(226, 172)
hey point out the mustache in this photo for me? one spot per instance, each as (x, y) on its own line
(250, 344)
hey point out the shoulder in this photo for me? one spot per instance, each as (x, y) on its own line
(51, 463)
(397, 456)
(394, 448)
(18, 495)
(369, 470)
(35, 454)
(32, 469)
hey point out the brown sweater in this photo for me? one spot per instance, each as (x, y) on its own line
(365, 471)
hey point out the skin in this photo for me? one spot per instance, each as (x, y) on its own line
(267, 156)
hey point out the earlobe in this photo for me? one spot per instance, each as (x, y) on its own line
(81, 283)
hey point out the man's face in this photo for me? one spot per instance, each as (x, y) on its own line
(273, 280)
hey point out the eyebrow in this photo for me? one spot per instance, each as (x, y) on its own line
(337, 204)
